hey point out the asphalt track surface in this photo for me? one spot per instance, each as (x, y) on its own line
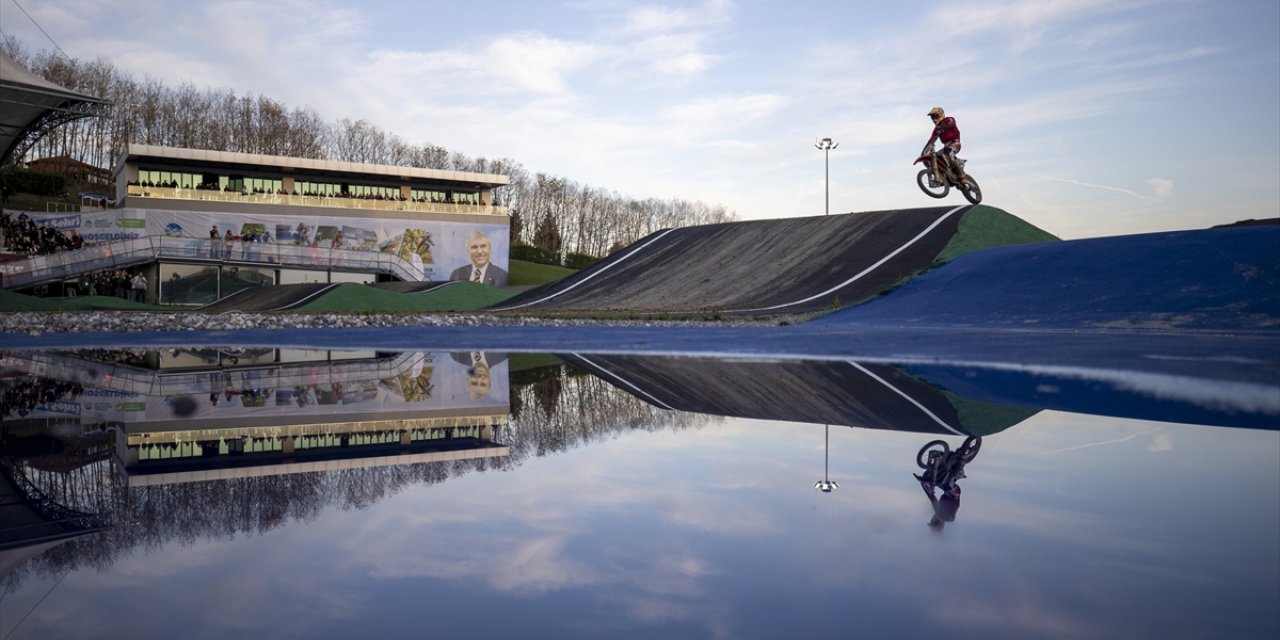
(268, 299)
(763, 267)
(844, 393)
(286, 297)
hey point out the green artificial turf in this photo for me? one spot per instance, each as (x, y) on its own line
(10, 301)
(529, 361)
(983, 227)
(524, 274)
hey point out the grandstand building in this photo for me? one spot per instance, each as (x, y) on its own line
(202, 225)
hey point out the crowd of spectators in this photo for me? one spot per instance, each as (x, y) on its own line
(20, 396)
(21, 234)
(447, 198)
(119, 283)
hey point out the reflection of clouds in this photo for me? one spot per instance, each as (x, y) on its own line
(539, 565)
(1162, 442)
(716, 620)
(723, 514)
(639, 530)
(1103, 443)
(245, 586)
(543, 534)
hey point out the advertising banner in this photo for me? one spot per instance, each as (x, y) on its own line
(441, 250)
(426, 381)
(98, 226)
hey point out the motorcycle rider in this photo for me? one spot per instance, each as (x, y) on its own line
(945, 129)
(946, 505)
(944, 469)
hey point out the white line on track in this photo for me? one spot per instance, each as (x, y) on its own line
(909, 398)
(602, 270)
(626, 382)
(864, 271)
(298, 303)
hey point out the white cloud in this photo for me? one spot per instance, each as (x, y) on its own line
(1097, 35)
(1024, 22)
(1103, 187)
(536, 62)
(656, 18)
(722, 112)
(1161, 186)
(675, 55)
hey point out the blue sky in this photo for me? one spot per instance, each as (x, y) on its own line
(1085, 117)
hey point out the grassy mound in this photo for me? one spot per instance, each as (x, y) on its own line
(357, 298)
(983, 227)
(10, 301)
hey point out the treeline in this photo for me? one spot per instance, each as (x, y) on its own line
(552, 212)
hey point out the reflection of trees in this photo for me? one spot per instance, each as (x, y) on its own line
(560, 408)
(571, 409)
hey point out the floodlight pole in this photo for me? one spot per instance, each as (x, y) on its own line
(826, 484)
(826, 145)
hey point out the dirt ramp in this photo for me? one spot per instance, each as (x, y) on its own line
(272, 298)
(763, 267)
(874, 396)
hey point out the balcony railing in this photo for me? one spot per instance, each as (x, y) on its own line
(313, 201)
(122, 253)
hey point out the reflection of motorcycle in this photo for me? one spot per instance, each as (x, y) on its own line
(942, 466)
(938, 176)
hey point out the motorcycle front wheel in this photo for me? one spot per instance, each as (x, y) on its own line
(925, 180)
(972, 192)
(969, 450)
(922, 458)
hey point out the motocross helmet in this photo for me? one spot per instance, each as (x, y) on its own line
(937, 114)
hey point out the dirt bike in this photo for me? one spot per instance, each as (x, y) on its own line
(936, 180)
(943, 467)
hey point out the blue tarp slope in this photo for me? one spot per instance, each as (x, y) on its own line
(1212, 279)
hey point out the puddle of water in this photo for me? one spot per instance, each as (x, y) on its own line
(289, 493)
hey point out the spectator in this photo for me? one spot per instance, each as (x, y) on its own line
(139, 283)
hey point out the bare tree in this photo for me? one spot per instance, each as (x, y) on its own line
(547, 210)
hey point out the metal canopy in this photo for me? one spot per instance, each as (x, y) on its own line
(31, 106)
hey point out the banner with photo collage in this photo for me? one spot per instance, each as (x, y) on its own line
(438, 248)
(442, 382)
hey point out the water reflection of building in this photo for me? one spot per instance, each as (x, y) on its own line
(164, 457)
(175, 492)
(78, 429)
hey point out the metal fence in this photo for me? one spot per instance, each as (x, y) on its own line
(181, 193)
(64, 265)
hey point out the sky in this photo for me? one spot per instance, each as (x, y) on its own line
(1086, 118)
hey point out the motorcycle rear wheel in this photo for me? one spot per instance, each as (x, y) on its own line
(972, 192)
(969, 450)
(922, 458)
(923, 179)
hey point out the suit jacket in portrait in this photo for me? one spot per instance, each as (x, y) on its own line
(492, 276)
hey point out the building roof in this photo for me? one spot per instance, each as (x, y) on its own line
(205, 158)
(31, 106)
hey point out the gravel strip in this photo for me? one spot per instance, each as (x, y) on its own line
(35, 323)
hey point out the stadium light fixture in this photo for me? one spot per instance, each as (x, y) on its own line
(826, 485)
(826, 145)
